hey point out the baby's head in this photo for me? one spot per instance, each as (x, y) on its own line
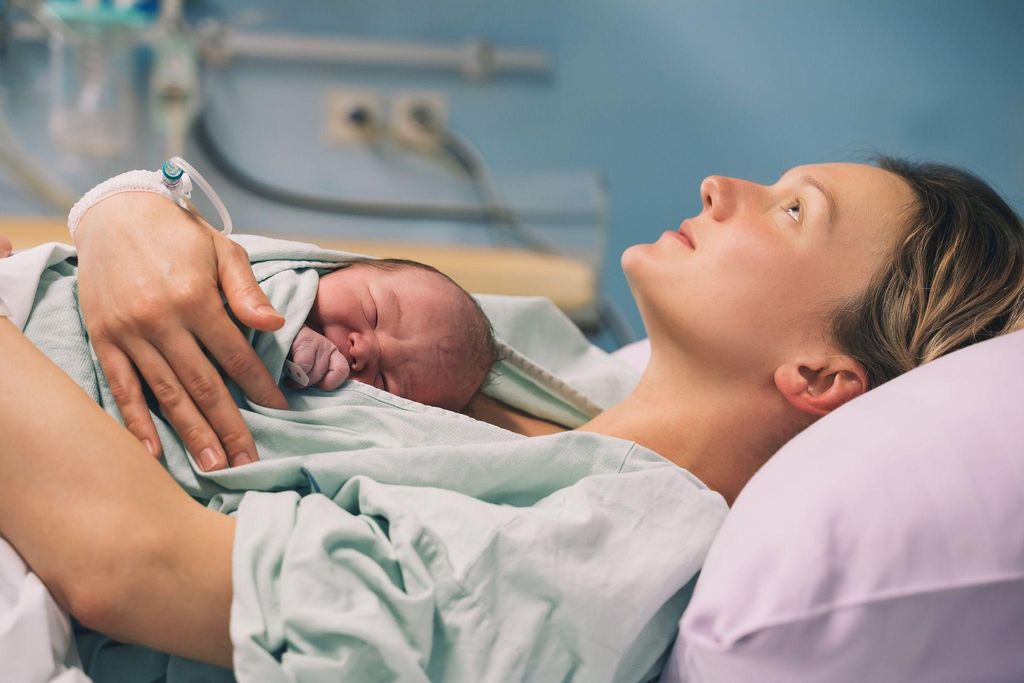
(406, 328)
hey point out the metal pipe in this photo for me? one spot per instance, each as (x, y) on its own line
(475, 58)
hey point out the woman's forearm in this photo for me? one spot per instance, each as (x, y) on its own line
(104, 526)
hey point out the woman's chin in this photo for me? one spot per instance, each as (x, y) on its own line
(633, 260)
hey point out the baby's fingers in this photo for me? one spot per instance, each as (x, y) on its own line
(304, 355)
(313, 356)
(337, 372)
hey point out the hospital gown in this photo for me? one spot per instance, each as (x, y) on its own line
(379, 539)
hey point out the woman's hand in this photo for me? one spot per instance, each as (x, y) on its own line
(5, 246)
(148, 283)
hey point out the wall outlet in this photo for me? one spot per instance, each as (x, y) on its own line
(419, 118)
(354, 116)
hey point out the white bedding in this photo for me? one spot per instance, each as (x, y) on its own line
(35, 633)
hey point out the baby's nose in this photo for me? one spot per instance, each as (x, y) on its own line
(362, 352)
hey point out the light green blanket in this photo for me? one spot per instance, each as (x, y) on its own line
(383, 540)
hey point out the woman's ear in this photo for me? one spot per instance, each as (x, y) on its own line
(819, 385)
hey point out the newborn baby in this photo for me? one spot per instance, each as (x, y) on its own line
(401, 326)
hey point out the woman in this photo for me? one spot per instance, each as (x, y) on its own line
(773, 307)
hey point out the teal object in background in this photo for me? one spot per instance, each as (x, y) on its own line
(653, 96)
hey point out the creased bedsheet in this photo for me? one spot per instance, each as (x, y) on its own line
(383, 540)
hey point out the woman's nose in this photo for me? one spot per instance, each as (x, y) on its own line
(718, 194)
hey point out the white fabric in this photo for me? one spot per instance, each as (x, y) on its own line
(19, 277)
(4, 311)
(35, 634)
(130, 181)
(885, 543)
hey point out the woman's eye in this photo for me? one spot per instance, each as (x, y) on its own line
(795, 206)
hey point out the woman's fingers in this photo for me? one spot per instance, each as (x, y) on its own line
(177, 407)
(247, 301)
(236, 356)
(251, 306)
(304, 352)
(5, 246)
(127, 391)
(211, 419)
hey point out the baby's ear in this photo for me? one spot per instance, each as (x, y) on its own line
(819, 385)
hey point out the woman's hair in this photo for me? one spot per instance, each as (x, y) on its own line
(955, 278)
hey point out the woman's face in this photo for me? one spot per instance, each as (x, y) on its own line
(767, 263)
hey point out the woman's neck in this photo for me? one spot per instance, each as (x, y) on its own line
(720, 434)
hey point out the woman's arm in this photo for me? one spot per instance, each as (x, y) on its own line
(110, 533)
(148, 282)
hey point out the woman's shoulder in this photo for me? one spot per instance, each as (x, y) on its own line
(640, 458)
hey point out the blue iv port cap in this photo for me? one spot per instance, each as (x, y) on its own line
(171, 171)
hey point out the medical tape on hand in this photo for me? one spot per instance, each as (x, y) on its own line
(132, 181)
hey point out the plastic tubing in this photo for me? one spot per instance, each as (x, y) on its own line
(197, 178)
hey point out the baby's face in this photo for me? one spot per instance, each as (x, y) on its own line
(396, 328)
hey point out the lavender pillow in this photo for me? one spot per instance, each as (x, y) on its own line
(636, 354)
(885, 543)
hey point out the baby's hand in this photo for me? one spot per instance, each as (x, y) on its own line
(326, 367)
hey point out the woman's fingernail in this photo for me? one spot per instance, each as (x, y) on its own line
(267, 309)
(150, 447)
(207, 459)
(241, 459)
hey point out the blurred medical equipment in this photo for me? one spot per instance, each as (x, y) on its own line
(44, 186)
(92, 53)
(95, 72)
(491, 209)
(91, 65)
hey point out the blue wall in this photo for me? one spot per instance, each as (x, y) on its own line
(653, 95)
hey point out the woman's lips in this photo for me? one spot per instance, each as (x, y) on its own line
(682, 237)
(686, 230)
